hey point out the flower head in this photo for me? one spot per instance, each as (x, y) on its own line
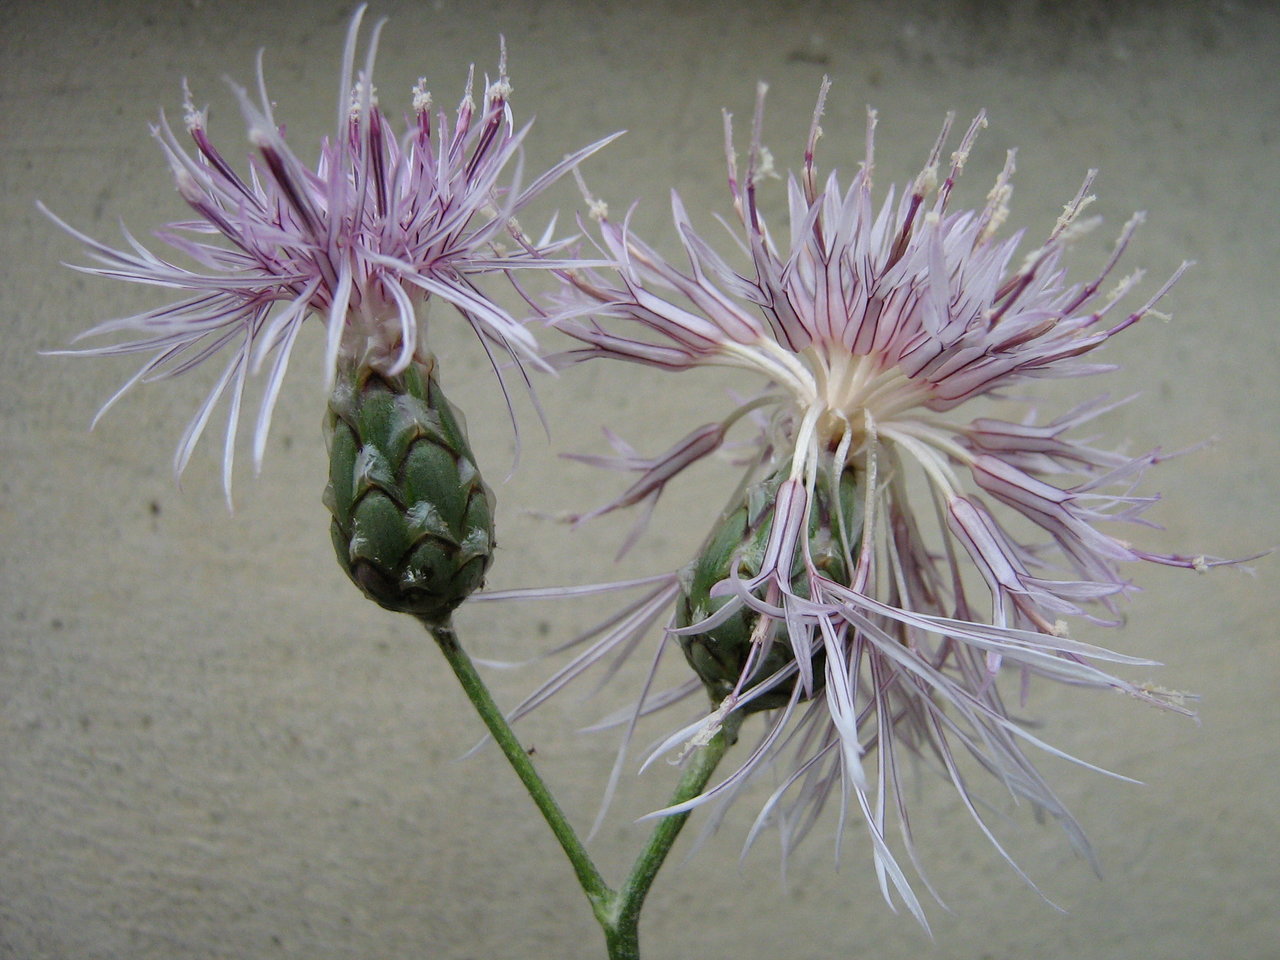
(843, 587)
(383, 224)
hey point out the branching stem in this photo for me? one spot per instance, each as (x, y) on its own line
(618, 912)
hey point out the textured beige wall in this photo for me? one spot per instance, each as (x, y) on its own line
(211, 747)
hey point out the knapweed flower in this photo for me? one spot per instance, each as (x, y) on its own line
(886, 562)
(383, 224)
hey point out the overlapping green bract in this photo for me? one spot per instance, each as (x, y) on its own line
(412, 519)
(736, 548)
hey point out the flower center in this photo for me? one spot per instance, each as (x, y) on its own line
(383, 331)
(849, 387)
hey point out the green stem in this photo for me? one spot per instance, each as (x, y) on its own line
(618, 912)
(622, 932)
(593, 885)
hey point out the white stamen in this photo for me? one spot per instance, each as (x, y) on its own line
(357, 95)
(193, 118)
(421, 96)
(961, 156)
(766, 167)
(1071, 211)
(926, 180)
(500, 89)
(997, 209)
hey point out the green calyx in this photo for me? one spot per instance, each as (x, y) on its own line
(719, 655)
(412, 519)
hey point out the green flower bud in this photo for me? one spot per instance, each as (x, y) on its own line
(412, 519)
(738, 544)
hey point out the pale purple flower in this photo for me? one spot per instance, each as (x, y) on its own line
(385, 223)
(866, 327)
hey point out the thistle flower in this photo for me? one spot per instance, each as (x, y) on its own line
(381, 226)
(841, 591)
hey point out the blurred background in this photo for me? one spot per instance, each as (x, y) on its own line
(211, 746)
